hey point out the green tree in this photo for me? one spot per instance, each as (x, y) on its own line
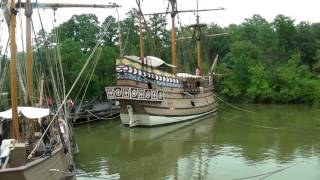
(83, 28)
(285, 33)
(109, 30)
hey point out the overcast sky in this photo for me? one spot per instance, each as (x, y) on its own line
(236, 11)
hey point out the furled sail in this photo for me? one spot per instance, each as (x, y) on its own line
(150, 61)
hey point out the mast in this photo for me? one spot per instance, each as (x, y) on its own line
(28, 14)
(13, 70)
(197, 27)
(173, 36)
(41, 91)
(141, 32)
(120, 38)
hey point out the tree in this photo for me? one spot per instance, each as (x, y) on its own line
(306, 43)
(109, 30)
(82, 28)
(285, 33)
(158, 37)
(130, 35)
(72, 60)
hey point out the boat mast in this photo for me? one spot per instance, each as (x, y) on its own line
(41, 91)
(13, 70)
(141, 31)
(197, 27)
(28, 14)
(120, 38)
(173, 36)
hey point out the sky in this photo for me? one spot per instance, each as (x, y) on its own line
(236, 11)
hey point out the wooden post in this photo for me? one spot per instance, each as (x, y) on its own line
(141, 39)
(13, 70)
(41, 91)
(198, 49)
(141, 32)
(173, 36)
(120, 38)
(28, 13)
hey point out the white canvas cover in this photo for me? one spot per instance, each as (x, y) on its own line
(5, 148)
(150, 61)
(186, 75)
(29, 112)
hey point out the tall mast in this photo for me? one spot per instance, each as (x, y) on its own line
(173, 35)
(197, 27)
(13, 70)
(120, 38)
(41, 91)
(28, 13)
(141, 31)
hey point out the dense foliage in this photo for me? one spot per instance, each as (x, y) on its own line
(261, 61)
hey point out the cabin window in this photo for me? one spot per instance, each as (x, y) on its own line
(149, 85)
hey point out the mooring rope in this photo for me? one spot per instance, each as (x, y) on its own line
(235, 107)
(103, 117)
(250, 111)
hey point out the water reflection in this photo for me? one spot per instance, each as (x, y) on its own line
(233, 144)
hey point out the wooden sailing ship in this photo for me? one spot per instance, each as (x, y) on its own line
(149, 96)
(31, 157)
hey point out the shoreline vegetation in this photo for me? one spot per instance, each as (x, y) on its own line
(261, 61)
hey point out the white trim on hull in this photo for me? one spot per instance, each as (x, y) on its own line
(151, 120)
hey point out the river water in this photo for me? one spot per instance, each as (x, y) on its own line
(280, 141)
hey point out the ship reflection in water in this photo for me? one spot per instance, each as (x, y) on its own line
(282, 140)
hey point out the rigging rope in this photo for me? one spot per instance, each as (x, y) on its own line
(98, 43)
(88, 79)
(235, 107)
(37, 71)
(125, 43)
(250, 111)
(60, 66)
(4, 72)
(95, 62)
(22, 81)
(108, 117)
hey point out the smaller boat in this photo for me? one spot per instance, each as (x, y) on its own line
(95, 110)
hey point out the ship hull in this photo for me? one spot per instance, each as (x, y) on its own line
(176, 107)
(53, 167)
(153, 120)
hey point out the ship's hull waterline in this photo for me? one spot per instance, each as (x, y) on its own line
(152, 120)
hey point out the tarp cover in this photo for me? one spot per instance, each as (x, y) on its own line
(29, 112)
(185, 75)
(150, 60)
